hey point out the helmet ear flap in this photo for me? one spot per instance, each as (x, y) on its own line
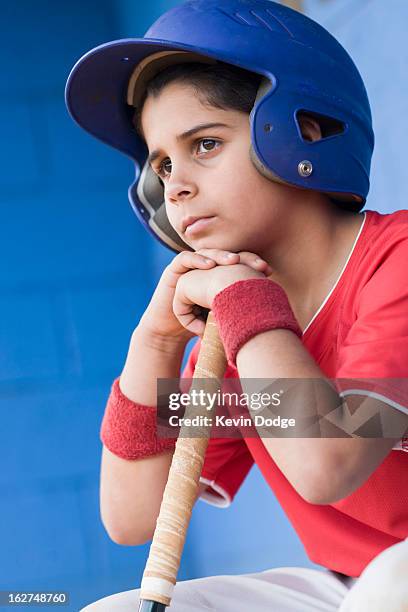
(150, 189)
(146, 195)
(162, 227)
(330, 127)
(265, 86)
(264, 170)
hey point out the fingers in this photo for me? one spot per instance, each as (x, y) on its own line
(183, 262)
(189, 260)
(256, 262)
(222, 258)
(245, 257)
(192, 323)
(205, 259)
(190, 315)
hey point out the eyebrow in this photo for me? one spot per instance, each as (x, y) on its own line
(202, 126)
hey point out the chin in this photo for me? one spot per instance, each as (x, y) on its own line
(212, 243)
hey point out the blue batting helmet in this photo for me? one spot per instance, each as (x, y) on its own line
(304, 69)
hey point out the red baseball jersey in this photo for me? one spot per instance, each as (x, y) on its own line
(359, 331)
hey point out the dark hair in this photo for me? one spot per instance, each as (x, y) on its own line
(219, 85)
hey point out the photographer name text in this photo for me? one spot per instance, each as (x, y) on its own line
(222, 421)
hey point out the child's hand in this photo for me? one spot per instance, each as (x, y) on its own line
(159, 318)
(197, 289)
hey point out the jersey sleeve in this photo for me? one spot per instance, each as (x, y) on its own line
(227, 460)
(373, 358)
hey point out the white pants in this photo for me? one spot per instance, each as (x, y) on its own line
(285, 589)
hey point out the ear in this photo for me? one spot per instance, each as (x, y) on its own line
(310, 128)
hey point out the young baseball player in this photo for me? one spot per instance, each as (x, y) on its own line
(251, 133)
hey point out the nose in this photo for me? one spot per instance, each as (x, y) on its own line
(179, 187)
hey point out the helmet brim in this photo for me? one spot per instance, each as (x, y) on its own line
(96, 92)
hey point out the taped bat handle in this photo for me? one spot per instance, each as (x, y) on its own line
(159, 577)
(147, 605)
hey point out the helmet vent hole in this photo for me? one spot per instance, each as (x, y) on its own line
(314, 127)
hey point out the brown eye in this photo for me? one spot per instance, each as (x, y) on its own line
(163, 166)
(208, 141)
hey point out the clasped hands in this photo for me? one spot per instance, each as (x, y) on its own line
(197, 289)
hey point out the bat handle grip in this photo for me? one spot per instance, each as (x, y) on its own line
(180, 493)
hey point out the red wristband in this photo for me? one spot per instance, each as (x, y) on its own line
(129, 430)
(249, 307)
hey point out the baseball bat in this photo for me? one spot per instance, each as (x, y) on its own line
(159, 577)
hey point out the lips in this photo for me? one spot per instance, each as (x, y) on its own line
(189, 220)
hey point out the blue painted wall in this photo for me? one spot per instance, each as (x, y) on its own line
(76, 273)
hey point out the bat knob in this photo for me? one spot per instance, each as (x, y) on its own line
(151, 606)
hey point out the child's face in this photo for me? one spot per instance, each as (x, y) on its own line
(214, 177)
